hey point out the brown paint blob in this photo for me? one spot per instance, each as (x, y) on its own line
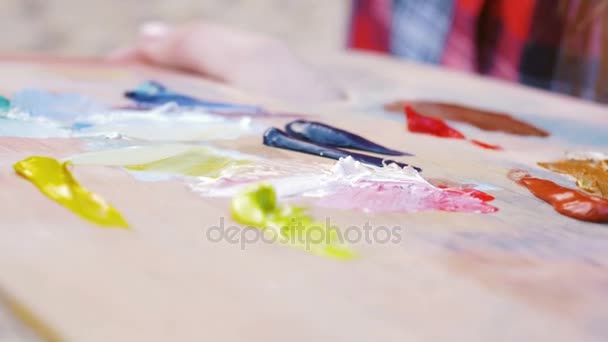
(590, 175)
(482, 119)
(568, 202)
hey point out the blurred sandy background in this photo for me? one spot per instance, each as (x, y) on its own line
(89, 27)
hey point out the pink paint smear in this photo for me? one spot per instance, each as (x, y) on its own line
(384, 197)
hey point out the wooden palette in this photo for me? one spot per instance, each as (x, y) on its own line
(523, 273)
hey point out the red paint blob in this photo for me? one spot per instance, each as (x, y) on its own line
(479, 195)
(568, 202)
(418, 123)
(480, 118)
(486, 145)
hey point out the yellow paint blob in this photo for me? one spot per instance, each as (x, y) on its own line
(55, 180)
(194, 163)
(29, 319)
(257, 206)
(591, 175)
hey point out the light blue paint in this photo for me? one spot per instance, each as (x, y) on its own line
(58, 107)
(31, 129)
(77, 126)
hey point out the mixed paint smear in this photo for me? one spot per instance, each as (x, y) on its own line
(568, 202)
(407, 198)
(418, 123)
(197, 162)
(303, 179)
(257, 206)
(350, 184)
(390, 189)
(590, 174)
(55, 180)
(39, 113)
(171, 159)
(482, 119)
(207, 171)
(357, 181)
(164, 124)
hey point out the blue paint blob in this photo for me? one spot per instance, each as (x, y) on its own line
(274, 137)
(153, 94)
(326, 135)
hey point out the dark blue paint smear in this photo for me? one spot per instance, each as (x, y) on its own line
(153, 94)
(323, 134)
(276, 138)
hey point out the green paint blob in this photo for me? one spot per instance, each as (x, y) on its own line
(5, 104)
(194, 163)
(257, 207)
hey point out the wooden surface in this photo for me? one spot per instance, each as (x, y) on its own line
(524, 273)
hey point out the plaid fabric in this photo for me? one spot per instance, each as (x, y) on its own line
(517, 40)
(411, 20)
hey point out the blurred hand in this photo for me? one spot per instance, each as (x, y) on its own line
(242, 59)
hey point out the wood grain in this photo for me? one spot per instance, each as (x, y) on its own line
(524, 273)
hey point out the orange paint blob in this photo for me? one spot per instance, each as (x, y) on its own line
(591, 175)
(568, 202)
